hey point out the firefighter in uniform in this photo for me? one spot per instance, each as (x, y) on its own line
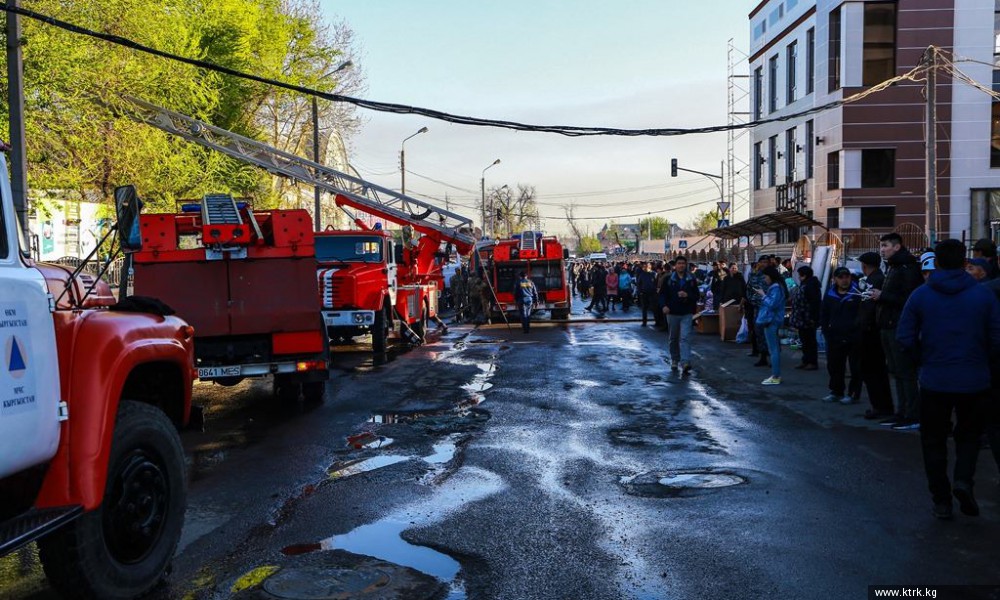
(459, 293)
(525, 296)
(475, 302)
(485, 296)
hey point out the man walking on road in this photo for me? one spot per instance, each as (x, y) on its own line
(646, 284)
(525, 297)
(680, 301)
(952, 327)
(901, 279)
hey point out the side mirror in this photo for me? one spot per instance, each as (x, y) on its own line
(127, 209)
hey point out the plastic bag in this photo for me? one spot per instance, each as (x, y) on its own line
(743, 335)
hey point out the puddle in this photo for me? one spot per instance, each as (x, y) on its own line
(325, 583)
(443, 452)
(356, 467)
(368, 441)
(382, 540)
(676, 484)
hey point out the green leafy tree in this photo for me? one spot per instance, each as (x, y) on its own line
(588, 245)
(659, 226)
(705, 221)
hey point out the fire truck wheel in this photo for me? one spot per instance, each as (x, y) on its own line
(380, 332)
(313, 392)
(286, 391)
(123, 549)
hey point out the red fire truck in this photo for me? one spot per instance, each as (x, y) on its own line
(371, 283)
(246, 281)
(543, 258)
(92, 393)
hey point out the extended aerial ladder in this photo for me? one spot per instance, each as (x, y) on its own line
(440, 225)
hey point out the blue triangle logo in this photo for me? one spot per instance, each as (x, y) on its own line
(16, 360)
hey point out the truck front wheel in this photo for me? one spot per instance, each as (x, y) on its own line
(123, 549)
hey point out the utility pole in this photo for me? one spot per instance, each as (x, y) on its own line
(15, 99)
(317, 218)
(930, 58)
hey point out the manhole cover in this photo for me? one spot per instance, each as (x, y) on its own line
(325, 584)
(669, 484)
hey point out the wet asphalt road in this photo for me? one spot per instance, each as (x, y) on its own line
(493, 464)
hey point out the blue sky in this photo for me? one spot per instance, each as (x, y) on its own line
(628, 64)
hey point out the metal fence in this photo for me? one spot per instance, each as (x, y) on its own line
(112, 276)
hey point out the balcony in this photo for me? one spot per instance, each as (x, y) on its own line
(791, 196)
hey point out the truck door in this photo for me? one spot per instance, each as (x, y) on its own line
(29, 372)
(391, 269)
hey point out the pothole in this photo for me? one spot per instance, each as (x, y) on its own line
(325, 584)
(674, 484)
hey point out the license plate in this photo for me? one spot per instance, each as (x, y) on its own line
(218, 372)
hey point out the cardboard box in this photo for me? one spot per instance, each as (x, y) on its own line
(730, 319)
(708, 323)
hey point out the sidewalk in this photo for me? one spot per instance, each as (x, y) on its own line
(727, 366)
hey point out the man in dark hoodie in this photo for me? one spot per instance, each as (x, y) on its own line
(838, 319)
(871, 355)
(993, 424)
(954, 355)
(901, 279)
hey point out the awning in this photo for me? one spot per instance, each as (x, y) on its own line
(772, 223)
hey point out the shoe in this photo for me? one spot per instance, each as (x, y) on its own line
(890, 421)
(831, 397)
(942, 510)
(771, 381)
(687, 369)
(906, 425)
(847, 400)
(966, 500)
(810, 368)
(871, 414)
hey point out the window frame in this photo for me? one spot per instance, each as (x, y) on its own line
(866, 182)
(791, 58)
(836, 34)
(869, 79)
(810, 148)
(772, 159)
(772, 84)
(811, 60)
(833, 168)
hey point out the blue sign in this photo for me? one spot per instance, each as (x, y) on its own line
(682, 244)
(723, 223)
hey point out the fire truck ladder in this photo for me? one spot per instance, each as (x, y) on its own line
(220, 209)
(529, 241)
(376, 200)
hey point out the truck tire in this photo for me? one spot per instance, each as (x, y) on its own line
(123, 549)
(313, 392)
(380, 332)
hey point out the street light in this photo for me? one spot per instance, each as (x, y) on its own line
(482, 185)
(317, 217)
(402, 160)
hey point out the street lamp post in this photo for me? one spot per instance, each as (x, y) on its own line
(317, 217)
(482, 185)
(402, 160)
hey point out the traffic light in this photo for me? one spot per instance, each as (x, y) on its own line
(673, 167)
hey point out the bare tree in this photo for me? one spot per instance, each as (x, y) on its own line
(515, 211)
(574, 228)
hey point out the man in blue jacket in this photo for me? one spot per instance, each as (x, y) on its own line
(525, 297)
(951, 327)
(679, 295)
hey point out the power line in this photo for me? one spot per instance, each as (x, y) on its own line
(567, 130)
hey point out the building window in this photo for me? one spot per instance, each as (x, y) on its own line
(878, 168)
(834, 46)
(833, 218)
(758, 159)
(790, 155)
(772, 160)
(810, 144)
(995, 138)
(772, 84)
(811, 61)
(880, 42)
(833, 171)
(758, 93)
(878, 217)
(791, 57)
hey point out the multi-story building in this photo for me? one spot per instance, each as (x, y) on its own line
(860, 167)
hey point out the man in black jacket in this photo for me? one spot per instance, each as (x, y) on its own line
(838, 319)
(871, 356)
(805, 317)
(902, 277)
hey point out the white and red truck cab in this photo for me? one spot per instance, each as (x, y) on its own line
(92, 394)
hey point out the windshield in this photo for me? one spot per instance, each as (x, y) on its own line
(349, 249)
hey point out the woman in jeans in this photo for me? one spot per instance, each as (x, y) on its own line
(770, 317)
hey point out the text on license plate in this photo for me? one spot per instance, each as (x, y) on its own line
(217, 372)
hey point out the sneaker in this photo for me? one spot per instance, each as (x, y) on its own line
(687, 368)
(906, 425)
(942, 510)
(771, 381)
(831, 397)
(848, 400)
(966, 501)
(890, 421)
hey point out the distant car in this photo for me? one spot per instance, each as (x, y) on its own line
(597, 256)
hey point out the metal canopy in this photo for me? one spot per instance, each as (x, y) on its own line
(771, 223)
